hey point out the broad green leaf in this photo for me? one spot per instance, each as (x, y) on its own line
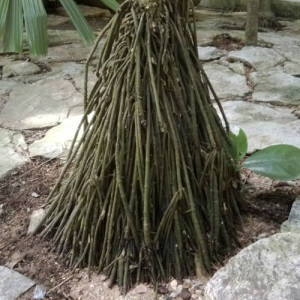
(13, 35)
(78, 20)
(3, 14)
(239, 144)
(112, 4)
(280, 162)
(35, 18)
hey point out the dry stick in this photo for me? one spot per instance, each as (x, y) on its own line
(59, 285)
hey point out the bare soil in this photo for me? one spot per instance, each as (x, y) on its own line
(267, 205)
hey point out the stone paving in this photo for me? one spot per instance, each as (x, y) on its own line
(259, 87)
(13, 284)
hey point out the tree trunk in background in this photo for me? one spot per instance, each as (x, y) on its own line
(252, 22)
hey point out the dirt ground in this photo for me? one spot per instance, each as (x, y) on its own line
(267, 205)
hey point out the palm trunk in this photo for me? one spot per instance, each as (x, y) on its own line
(153, 192)
(252, 22)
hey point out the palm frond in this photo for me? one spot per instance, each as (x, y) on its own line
(112, 4)
(35, 18)
(78, 20)
(13, 35)
(3, 13)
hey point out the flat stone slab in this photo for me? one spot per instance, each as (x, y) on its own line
(257, 57)
(292, 68)
(57, 140)
(63, 53)
(265, 125)
(55, 20)
(210, 53)
(57, 70)
(269, 269)
(12, 151)
(285, 43)
(293, 222)
(13, 284)
(226, 83)
(277, 86)
(61, 37)
(42, 104)
(7, 85)
(20, 68)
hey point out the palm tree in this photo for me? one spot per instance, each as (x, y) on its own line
(150, 191)
(15, 13)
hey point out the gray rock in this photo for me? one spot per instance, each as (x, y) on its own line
(226, 83)
(57, 140)
(36, 218)
(286, 44)
(6, 86)
(5, 60)
(291, 26)
(292, 68)
(12, 151)
(293, 222)
(269, 269)
(20, 68)
(277, 86)
(257, 57)
(79, 81)
(265, 125)
(60, 70)
(61, 37)
(56, 21)
(63, 53)
(13, 284)
(210, 53)
(238, 68)
(42, 104)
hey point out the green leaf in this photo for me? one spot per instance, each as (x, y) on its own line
(239, 144)
(78, 20)
(112, 4)
(280, 162)
(36, 26)
(3, 14)
(13, 36)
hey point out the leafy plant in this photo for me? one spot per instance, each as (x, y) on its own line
(281, 162)
(14, 13)
(239, 145)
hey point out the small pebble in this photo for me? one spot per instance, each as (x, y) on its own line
(35, 195)
(140, 289)
(162, 290)
(185, 294)
(187, 283)
(173, 284)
